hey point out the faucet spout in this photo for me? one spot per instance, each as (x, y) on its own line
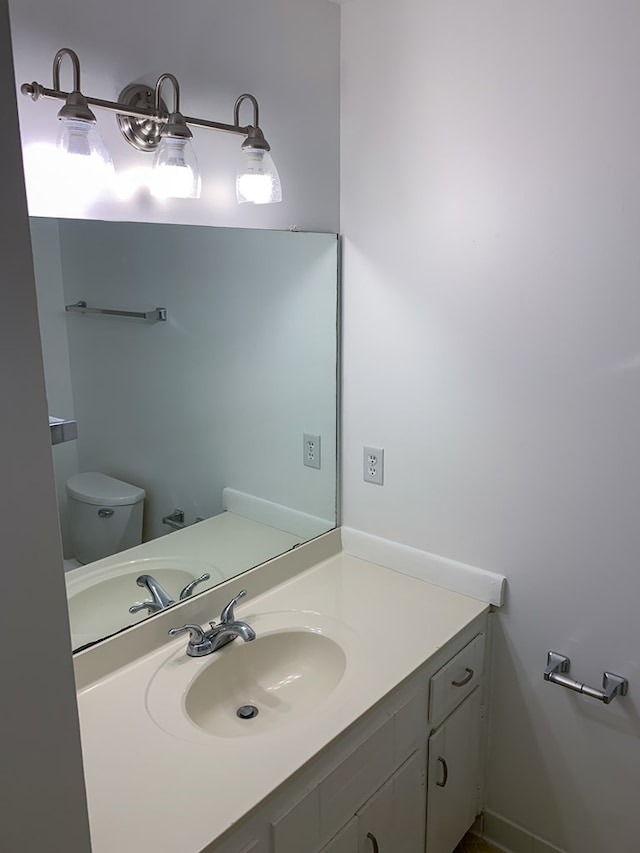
(228, 631)
(160, 598)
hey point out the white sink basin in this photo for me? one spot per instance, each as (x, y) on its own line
(99, 598)
(280, 675)
(296, 663)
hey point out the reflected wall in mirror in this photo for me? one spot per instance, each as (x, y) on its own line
(220, 411)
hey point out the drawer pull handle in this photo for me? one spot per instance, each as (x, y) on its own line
(466, 679)
(445, 772)
(374, 842)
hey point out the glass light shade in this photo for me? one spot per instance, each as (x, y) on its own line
(85, 159)
(175, 170)
(258, 181)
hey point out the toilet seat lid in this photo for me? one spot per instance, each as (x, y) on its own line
(101, 490)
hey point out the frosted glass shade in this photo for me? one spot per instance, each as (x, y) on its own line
(175, 170)
(85, 159)
(258, 181)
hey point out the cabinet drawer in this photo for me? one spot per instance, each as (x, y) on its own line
(456, 680)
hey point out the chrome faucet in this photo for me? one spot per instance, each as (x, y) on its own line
(206, 642)
(160, 598)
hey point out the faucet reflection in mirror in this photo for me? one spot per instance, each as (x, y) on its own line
(147, 125)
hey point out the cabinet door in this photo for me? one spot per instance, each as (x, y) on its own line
(393, 820)
(346, 841)
(454, 776)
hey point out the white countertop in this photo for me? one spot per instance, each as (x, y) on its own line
(153, 792)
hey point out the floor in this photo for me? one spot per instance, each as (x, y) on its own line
(473, 844)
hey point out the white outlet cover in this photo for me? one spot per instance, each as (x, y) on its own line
(373, 465)
(311, 450)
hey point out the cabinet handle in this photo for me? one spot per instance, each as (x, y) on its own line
(445, 772)
(374, 842)
(466, 679)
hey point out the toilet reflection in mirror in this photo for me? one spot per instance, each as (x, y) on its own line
(105, 516)
(204, 412)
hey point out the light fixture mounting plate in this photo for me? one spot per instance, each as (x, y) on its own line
(142, 133)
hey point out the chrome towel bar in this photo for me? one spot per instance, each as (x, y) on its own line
(612, 685)
(157, 315)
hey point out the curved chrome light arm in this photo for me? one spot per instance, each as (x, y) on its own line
(157, 101)
(238, 104)
(57, 62)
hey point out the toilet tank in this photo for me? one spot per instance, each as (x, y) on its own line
(105, 515)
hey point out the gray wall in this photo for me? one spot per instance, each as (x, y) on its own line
(43, 800)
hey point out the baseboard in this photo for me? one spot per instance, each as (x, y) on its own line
(440, 571)
(510, 837)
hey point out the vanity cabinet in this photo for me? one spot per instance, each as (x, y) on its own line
(405, 779)
(456, 714)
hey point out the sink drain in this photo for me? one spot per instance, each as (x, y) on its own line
(247, 712)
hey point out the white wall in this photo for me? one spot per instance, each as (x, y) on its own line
(491, 211)
(285, 52)
(43, 800)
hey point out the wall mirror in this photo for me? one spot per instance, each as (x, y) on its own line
(206, 432)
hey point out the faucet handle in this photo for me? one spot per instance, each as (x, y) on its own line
(196, 634)
(188, 589)
(141, 605)
(227, 614)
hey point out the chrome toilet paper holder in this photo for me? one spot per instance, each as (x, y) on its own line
(612, 685)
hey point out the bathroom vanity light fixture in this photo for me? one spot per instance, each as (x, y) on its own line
(147, 125)
(78, 138)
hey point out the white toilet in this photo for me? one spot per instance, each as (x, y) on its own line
(105, 515)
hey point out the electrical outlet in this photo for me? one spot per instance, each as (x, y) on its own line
(373, 460)
(311, 450)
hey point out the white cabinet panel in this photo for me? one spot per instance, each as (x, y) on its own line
(409, 790)
(346, 841)
(393, 820)
(299, 828)
(254, 847)
(454, 776)
(350, 784)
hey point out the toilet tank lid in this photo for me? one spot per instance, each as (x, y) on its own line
(100, 490)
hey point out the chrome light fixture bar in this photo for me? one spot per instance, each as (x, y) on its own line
(147, 125)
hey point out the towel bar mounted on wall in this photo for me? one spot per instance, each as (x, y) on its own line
(155, 316)
(612, 685)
